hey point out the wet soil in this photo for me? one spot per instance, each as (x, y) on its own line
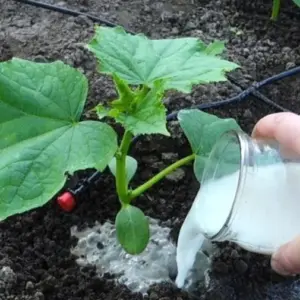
(35, 246)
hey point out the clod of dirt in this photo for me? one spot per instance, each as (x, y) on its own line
(7, 278)
(98, 246)
(241, 266)
(5, 50)
(176, 176)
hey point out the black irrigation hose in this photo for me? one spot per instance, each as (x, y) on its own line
(256, 94)
(69, 12)
(277, 77)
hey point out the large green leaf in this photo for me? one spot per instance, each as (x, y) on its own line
(132, 229)
(202, 131)
(181, 62)
(41, 137)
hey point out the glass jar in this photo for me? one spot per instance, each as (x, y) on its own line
(249, 194)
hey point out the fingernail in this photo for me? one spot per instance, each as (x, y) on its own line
(277, 266)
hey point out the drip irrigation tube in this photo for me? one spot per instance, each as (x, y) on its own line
(250, 91)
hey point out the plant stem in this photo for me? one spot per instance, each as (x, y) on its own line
(148, 184)
(121, 176)
(275, 10)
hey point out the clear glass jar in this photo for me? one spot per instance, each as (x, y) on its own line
(249, 194)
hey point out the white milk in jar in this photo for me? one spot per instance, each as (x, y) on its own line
(249, 194)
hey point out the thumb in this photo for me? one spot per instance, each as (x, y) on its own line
(286, 261)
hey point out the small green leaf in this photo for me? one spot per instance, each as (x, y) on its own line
(148, 116)
(132, 229)
(297, 2)
(101, 111)
(144, 114)
(131, 167)
(126, 95)
(41, 137)
(181, 62)
(202, 131)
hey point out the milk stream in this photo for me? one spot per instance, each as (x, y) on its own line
(267, 214)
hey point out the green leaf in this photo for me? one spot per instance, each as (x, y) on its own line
(297, 2)
(181, 62)
(202, 131)
(144, 114)
(275, 10)
(131, 167)
(41, 137)
(126, 95)
(132, 229)
(148, 116)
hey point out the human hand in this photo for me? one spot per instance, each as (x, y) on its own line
(285, 128)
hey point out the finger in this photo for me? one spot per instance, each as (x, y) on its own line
(283, 127)
(286, 261)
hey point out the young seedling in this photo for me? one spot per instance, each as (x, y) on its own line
(42, 137)
(276, 8)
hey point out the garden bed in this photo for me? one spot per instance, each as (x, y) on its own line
(36, 245)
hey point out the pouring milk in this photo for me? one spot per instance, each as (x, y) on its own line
(256, 207)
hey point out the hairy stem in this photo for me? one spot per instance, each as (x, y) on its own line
(148, 184)
(275, 10)
(121, 176)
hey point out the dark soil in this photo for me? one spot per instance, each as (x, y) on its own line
(36, 245)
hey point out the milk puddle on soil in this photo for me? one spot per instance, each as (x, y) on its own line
(98, 246)
(266, 214)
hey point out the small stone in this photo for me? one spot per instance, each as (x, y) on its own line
(247, 113)
(286, 49)
(175, 30)
(240, 266)
(39, 296)
(246, 52)
(234, 254)
(61, 3)
(7, 275)
(190, 25)
(29, 285)
(176, 176)
(169, 156)
(153, 296)
(147, 9)
(290, 65)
